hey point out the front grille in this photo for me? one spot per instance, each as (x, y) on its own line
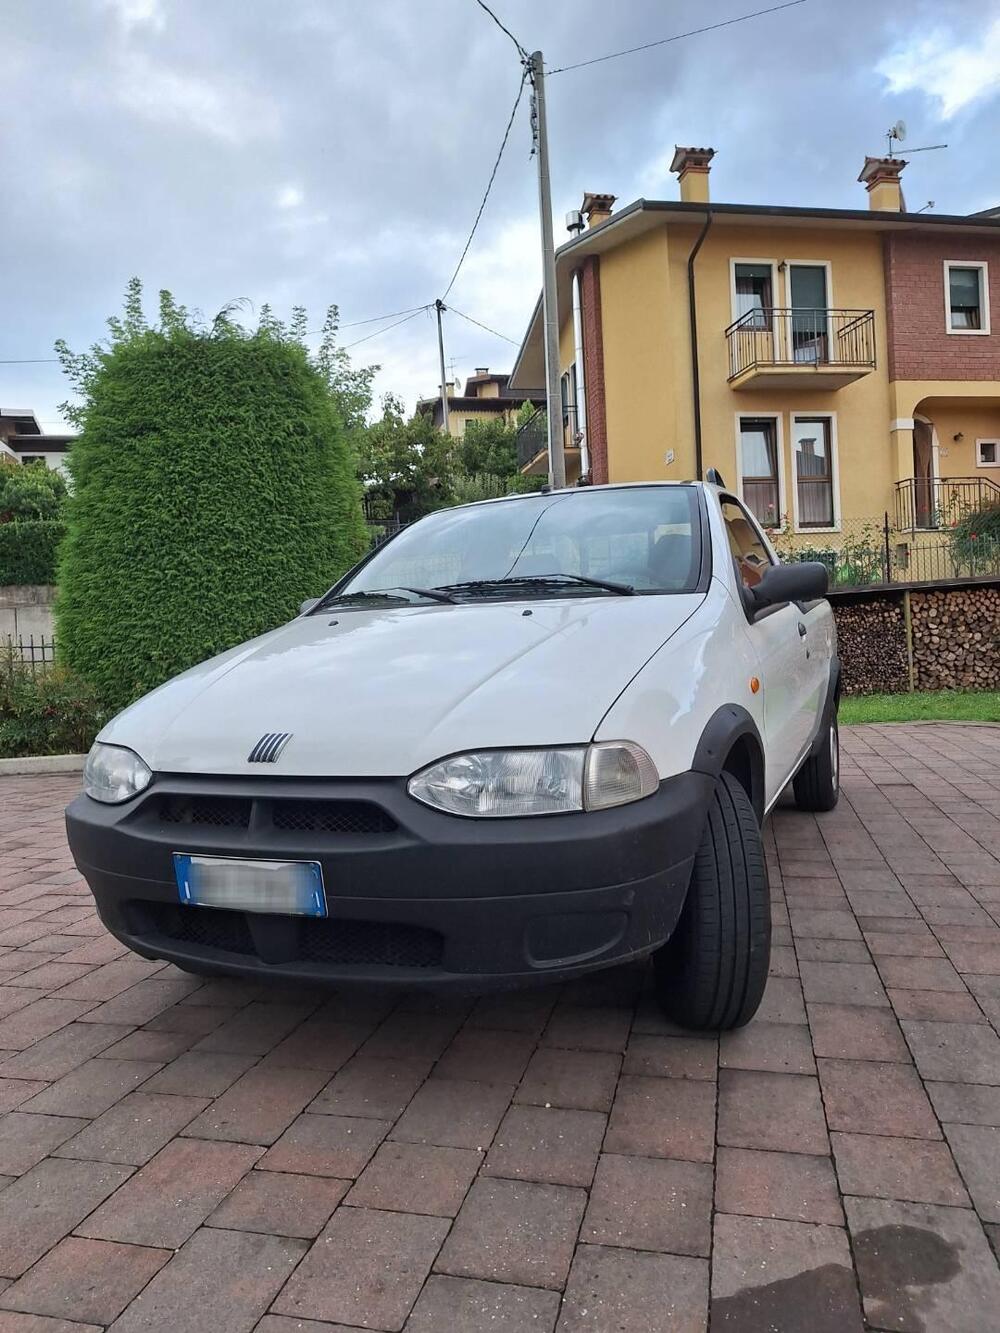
(340, 942)
(331, 817)
(211, 811)
(202, 926)
(371, 943)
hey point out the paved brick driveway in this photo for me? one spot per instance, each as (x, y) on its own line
(179, 1155)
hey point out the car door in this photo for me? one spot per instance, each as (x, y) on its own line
(778, 636)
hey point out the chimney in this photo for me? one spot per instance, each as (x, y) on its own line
(692, 167)
(597, 208)
(881, 177)
(482, 370)
(450, 388)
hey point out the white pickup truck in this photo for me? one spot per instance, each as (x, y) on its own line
(522, 740)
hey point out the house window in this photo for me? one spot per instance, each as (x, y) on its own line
(966, 294)
(988, 453)
(812, 453)
(754, 294)
(33, 458)
(759, 469)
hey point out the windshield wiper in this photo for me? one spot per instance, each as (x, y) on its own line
(553, 580)
(385, 595)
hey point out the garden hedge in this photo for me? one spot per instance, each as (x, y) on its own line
(28, 550)
(212, 491)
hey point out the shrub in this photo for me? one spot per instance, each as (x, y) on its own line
(31, 491)
(28, 550)
(975, 541)
(52, 711)
(213, 490)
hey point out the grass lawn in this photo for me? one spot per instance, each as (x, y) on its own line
(934, 706)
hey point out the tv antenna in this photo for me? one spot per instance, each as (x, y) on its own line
(897, 133)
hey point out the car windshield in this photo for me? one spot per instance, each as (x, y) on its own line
(598, 543)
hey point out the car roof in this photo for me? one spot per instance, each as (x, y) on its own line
(584, 490)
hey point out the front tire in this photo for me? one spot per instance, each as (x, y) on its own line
(817, 783)
(711, 973)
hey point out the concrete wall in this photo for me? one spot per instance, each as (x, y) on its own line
(26, 612)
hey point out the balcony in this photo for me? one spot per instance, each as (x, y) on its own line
(771, 348)
(928, 504)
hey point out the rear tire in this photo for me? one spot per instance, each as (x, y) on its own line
(817, 783)
(711, 973)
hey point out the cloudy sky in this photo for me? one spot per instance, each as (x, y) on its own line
(317, 151)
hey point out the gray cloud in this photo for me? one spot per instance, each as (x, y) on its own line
(315, 151)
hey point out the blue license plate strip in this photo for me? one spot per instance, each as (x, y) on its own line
(285, 888)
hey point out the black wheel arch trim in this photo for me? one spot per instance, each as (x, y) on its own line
(830, 706)
(726, 729)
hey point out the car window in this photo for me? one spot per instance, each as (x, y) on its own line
(750, 556)
(646, 537)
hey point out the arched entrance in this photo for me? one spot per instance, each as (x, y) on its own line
(924, 473)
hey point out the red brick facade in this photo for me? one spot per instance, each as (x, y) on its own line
(593, 369)
(920, 348)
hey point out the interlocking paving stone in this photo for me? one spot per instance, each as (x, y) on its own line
(47, 1203)
(672, 1057)
(368, 1086)
(793, 1186)
(27, 1139)
(965, 1103)
(453, 1114)
(168, 1198)
(86, 1280)
(218, 1282)
(923, 1267)
(259, 1106)
(783, 1048)
(650, 1203)
(479, 1307)
(200, 1073)
(37, 1323)
(551, 1145)
(886, 1168)
(868, 1097)
(326, 1145)
(769, 1274)
(90, 1089)
(279, 1205)
(663, 1117)
(134, 1130)
(959, 1052)
(366, 1267)
(578, 1028)
(781, 1112)
(977, 1152)
(630, 1291)
(416, 1178)
(255, 1029)
(853, 1032)
(935, 1006)
(482, 1055)
(578, 1080)
(514, 1231)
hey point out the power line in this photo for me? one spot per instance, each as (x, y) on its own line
(378, 332)
(489, 184)
(664, 41)
(520, 49)
(375, 319)
(32, 361)
(481, 325)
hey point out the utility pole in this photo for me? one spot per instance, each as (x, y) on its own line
(440, 307)
(550, 311)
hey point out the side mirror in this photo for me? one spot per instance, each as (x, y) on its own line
(306, 606)
(801, 581)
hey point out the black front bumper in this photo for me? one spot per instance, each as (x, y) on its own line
(415, 897)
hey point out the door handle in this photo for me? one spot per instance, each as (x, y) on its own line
(802, 630)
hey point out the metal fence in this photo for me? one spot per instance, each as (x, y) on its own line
(36, 653)
(866, 552)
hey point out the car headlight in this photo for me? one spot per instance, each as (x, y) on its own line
(505, 784)
(113, 774)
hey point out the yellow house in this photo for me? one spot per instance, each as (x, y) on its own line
(838, 367)
(487, 396)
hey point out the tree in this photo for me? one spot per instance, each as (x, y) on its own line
(30, 492)
(489, 450)
(405, 464)
(213, 489)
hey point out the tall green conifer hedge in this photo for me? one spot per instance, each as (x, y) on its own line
(213, 488)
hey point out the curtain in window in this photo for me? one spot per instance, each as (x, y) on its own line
(753, 293)
(964, 298)
(813, 473)
(759, 469)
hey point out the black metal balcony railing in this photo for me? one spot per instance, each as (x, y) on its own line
(532, 439)
(941, 502)
(772, 337)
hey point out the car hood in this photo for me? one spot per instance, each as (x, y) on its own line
(383, 692)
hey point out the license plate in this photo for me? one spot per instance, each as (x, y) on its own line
(289, 888)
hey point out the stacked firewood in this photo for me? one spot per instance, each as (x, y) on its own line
(956, 638)
(871, 639)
